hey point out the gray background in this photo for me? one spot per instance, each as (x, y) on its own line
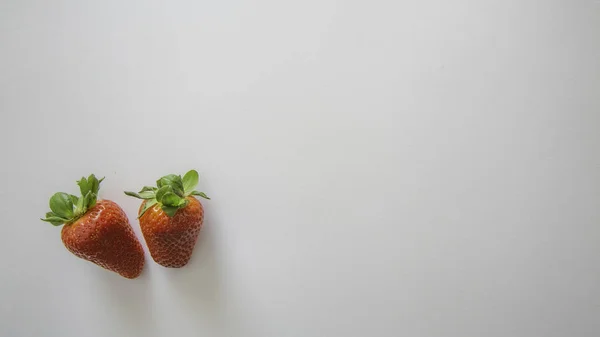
(377, 168)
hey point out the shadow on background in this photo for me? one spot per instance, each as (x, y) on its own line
(129, 303)
(165, 301)
(196, 287)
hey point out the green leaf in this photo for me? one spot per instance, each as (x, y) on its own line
(93, 183)
(166, 180)
(148, 188)
(62, 205)
(147, 205)
(81, 207)
(190, 180)
(147, 194)
(93, 197)
(171, 199)
(84, 187)
(181, 203)
(200, 194)
(141, 195)
(133, 194)
(161, 191)
(169, 210)
(66, 208)
(56, 221)
(82, 203)
(88, 199)
(174, 181)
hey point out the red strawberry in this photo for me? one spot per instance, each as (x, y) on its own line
(97, 230)
(171, 218)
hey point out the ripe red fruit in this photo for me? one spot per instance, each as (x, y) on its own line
(171, 240)
(97, 230)
(171, 218)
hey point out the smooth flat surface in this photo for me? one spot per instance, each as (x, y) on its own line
(377, 168)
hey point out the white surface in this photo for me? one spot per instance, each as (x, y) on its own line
(377, 168)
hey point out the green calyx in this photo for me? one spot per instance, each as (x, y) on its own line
(66, 208)
(170, 193)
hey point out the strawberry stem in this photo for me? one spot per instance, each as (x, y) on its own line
(170, 194)
(67, 208)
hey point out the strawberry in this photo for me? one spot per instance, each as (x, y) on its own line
(171, 218)
(97, 230)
